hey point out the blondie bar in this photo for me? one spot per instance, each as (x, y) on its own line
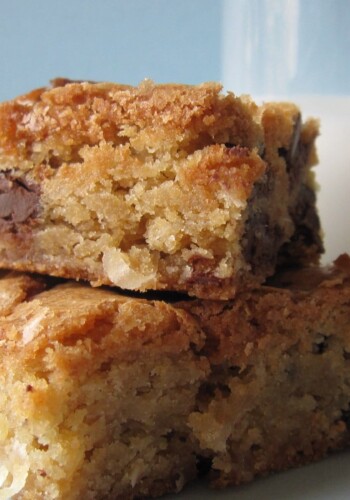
(164, 187)
(111, 396)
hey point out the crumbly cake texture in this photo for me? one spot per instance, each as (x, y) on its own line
(128, 398)
(155, 187)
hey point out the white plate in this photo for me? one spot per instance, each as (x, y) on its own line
(326, 480)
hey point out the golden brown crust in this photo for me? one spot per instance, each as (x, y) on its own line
(155, 187)
(93, 317)
(91, 378)
(296, 337)
(15, 289)
(89, 375)
(64, 118)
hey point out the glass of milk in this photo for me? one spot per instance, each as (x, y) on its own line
(300, 51)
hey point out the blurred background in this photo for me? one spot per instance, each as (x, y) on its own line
(264, 47)
(286, 47)
(115, 40)
(271, 49)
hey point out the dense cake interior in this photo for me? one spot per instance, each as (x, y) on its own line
(154, 187)
(130, 398)
(95, 406)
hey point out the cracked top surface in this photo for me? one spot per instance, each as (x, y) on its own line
(53, 123)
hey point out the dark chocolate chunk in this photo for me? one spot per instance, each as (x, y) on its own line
(321, 346)
(204, 465)
(346, 418)
(262, 236)
(290, 154)
(307, 228)
(19, 199)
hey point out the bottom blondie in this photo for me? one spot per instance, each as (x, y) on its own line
(109, 396)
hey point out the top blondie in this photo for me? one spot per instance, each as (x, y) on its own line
(156, 187)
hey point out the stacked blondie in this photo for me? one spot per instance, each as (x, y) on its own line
(178, 323)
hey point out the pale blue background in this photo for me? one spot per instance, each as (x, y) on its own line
(123, 41)
(186, 41)
(192, 41)
(286, 47)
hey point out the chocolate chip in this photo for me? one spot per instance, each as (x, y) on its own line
(307, 220)
(262, 240)
(284, 153)
(234, 370)
(307, 228)
(291, 153)
(19, 199)
(346, 418)
(321, 345)
(204, 465)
